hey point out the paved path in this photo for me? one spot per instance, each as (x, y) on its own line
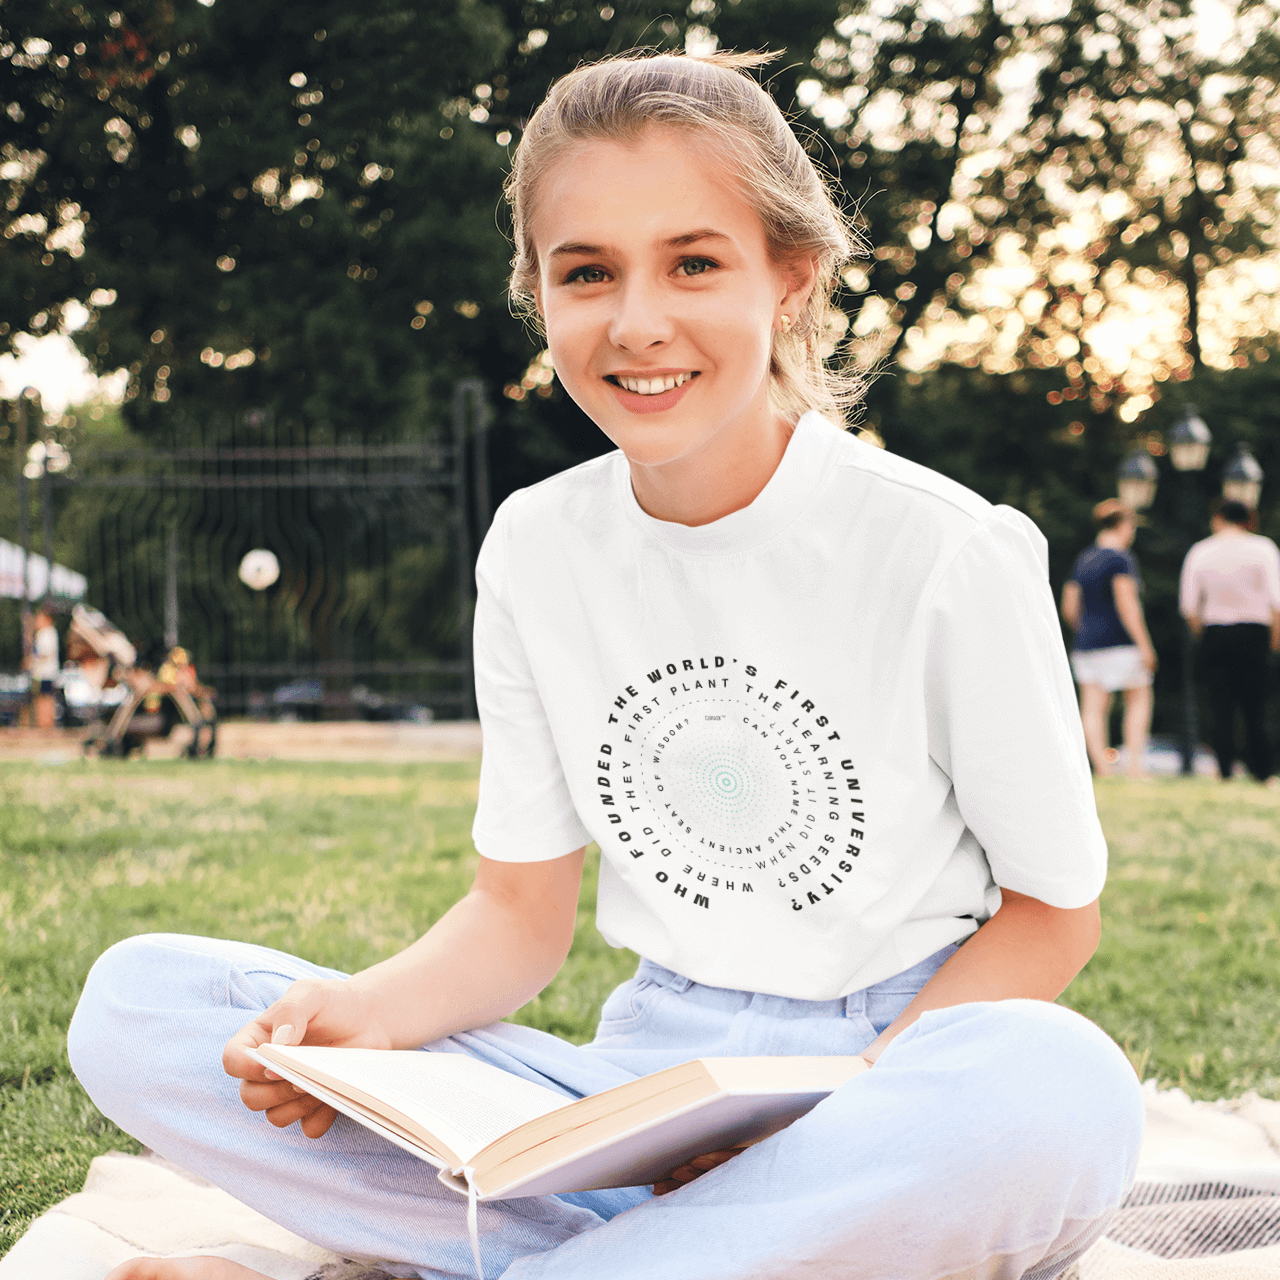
(348, 741)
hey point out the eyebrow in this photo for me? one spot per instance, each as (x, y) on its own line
(675, 242)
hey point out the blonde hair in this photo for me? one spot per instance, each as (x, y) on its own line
(619, 98)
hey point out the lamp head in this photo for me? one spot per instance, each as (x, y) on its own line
(1189, 441)
(1136, 480)
(1242, 480)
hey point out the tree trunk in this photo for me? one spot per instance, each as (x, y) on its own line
(1193, 213)
(1191, 282)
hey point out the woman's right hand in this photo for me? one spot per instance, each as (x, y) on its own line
(322, 1011)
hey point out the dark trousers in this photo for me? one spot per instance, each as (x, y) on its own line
(1234, 660)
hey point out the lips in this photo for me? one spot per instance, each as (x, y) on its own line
(653, 393)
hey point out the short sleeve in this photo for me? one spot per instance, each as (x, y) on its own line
(1003, 719)
(1272, 573)
(1189, 585)
(524, 813)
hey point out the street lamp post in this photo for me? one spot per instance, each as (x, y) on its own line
(1189, 442)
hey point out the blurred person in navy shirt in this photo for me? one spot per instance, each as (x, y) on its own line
(1112, 652)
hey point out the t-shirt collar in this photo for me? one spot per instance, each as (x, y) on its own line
(804, 463)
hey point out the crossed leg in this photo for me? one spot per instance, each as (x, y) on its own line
(991, 1142)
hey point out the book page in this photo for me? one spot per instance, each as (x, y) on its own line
(782, 1074)
(464, 1103)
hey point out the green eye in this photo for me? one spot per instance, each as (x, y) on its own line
(586, 275)
(696, 266)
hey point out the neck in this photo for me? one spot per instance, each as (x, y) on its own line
(1115, 541)
(724, 474)
(1231, 528)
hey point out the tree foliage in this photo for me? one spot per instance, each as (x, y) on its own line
(262, 196)
(296, 206)
(299, 209)
(1044, 171)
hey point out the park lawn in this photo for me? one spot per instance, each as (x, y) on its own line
(1186, 977)
(344, 864)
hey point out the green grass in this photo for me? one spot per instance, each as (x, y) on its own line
(1187, 973)
(342, 864)
(345, 864)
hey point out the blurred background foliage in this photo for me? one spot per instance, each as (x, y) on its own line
(296, 209)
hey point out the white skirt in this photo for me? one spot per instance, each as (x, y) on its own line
(1117, 667)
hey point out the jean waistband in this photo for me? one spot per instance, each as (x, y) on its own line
(910, 979)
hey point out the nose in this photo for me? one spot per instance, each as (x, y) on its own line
(640, 319)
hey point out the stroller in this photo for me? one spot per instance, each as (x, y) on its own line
(153, 703)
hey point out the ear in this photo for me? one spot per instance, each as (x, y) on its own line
(799, 275)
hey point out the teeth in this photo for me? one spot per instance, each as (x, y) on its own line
(655, 386)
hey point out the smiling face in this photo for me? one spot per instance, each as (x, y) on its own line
(660, 300)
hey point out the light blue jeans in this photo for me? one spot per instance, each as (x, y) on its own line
(991, 1140)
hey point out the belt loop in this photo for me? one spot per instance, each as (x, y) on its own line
(663, 976)
(855, 1003)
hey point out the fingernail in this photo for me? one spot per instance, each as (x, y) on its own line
(282, 1034)
(271, 1075)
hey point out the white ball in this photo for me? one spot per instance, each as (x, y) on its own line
(259, 569)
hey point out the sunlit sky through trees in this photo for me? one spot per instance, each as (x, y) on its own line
(1051, 282)
(1153, 112)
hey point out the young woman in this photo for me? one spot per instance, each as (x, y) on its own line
(1113, 652)
(812, 703)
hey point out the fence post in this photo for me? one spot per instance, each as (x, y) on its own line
(24, 507)
(483, 418)
(25, 400)
(466, 568)
(171, 588)
(470, 392)
(46, 528)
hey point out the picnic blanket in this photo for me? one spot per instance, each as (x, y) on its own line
(1206, 1206)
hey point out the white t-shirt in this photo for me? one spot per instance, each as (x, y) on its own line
(44, 654)
(806, 736)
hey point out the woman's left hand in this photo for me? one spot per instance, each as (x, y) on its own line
(701, 1164)
(695, 1169)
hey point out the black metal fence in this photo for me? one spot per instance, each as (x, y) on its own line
(370, 612)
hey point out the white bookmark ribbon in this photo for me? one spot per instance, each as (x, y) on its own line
(473, 1229)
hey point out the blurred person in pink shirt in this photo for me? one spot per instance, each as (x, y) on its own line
(1230, 597)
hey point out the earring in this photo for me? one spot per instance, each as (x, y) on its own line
(784, 323)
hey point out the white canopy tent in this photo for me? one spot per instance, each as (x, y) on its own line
(64, 584)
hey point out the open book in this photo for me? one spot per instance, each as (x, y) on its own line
(496, 1136)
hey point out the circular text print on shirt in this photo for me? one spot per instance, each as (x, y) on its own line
(725, 779)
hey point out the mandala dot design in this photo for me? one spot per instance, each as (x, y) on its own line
(722, 782)
(727, 781)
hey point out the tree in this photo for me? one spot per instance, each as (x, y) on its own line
(297, 208)
(220, 185)
(1088, 155)
(1186, 140)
